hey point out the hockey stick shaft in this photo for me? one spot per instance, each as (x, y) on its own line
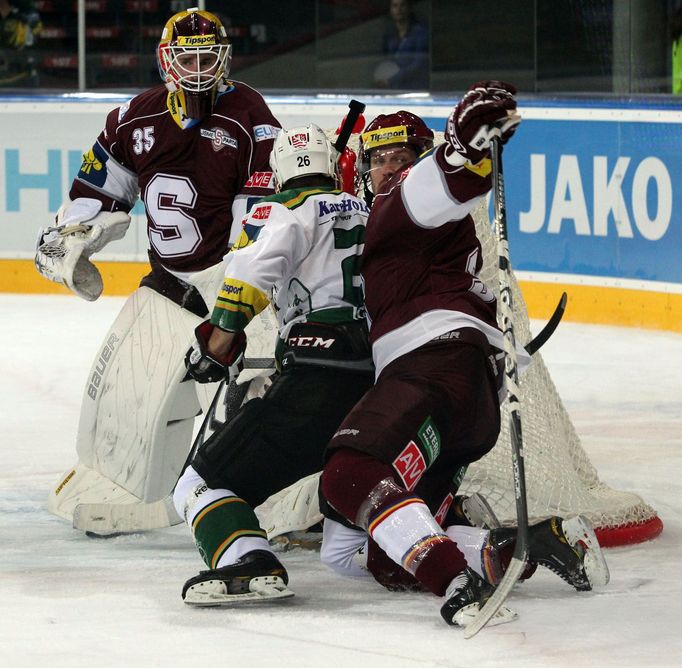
(517, 564)
(355, 109)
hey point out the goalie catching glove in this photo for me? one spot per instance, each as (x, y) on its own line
(63, 251)
(206, 367)
(487, 110)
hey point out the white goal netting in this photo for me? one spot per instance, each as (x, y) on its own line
(560, 478)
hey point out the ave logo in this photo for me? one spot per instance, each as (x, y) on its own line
(627, 196)
(410, 465)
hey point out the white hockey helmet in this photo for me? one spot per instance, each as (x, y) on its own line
(303, 151)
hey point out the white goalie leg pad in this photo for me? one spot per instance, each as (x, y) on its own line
(295, 508)
(63, 251)
(80, 485)
(137, 419)
(138, 412)
(137, 415)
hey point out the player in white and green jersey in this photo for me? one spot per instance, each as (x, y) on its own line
(298, 250)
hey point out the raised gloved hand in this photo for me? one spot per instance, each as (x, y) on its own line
(487, 110)
(207, 367)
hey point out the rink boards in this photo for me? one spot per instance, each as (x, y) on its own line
(593, 196)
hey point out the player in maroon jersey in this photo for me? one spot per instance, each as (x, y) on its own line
(195, 149)
(437, 350)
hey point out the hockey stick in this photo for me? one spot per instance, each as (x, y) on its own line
(518, 561)
(365, 366)
(355, 109)
(538, 341)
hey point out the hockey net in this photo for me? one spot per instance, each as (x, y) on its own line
(560, 478)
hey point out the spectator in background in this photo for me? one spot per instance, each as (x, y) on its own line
(19, 26)
(676, 33)
(406, 44)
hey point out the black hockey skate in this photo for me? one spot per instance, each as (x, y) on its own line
(566, 546)
(257, 576)
(570, 549)
(466, 594)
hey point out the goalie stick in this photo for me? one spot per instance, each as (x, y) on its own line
(518, 561)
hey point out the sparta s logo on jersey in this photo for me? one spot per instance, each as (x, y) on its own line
(219, 138)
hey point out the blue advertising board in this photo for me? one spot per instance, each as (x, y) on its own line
(593, 187)
(596, 192)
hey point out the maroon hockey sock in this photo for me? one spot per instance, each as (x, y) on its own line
(443, 563)
(351, 477)
(387, 573)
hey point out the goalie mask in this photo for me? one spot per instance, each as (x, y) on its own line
(303, 151)
(194, 57)
(388, 132)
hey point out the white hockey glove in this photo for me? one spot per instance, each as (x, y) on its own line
(63, 251)
(487, 110)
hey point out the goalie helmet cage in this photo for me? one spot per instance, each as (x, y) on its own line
(560, 478)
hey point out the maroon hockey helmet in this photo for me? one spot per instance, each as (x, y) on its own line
(194, 57)
(398, 129)
(402, 127)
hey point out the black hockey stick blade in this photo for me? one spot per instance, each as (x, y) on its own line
(355, 109)
(538, 341)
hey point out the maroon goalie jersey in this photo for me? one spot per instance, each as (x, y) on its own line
(422, 257)
(194, 177)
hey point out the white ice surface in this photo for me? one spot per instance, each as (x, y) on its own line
(68, 600)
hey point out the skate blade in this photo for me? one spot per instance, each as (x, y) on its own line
(579, 530)
(468, 613)
(479, 513)
(213, 593)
